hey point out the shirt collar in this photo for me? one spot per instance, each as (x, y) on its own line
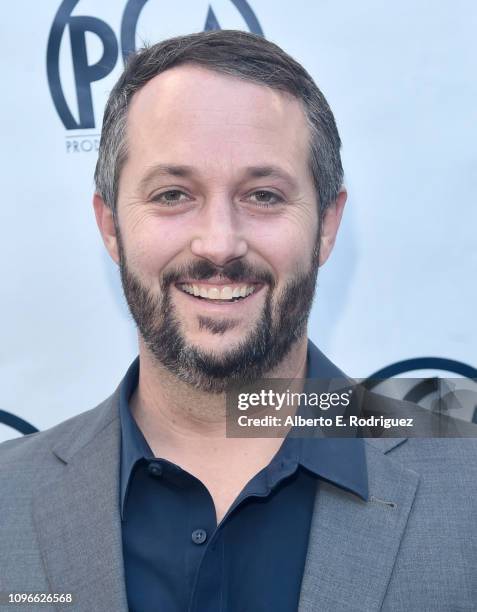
(133, 442)
(340, 461)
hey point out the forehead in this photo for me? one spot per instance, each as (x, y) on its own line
(198, 115)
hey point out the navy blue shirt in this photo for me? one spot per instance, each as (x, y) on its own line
(177, 559)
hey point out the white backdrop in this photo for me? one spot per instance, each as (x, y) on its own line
(400, 78)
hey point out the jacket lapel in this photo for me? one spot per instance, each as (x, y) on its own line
(77, 515)
(353, 544)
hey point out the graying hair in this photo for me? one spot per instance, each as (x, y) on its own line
(232, 52)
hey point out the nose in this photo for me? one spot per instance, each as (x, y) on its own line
(218, 236)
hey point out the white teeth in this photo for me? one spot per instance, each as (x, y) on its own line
(218, 293)
(226, 293)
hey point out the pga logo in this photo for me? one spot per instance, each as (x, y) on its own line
(84, 49)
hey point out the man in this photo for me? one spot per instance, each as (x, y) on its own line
(219, 195)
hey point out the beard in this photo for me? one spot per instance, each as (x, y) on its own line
(278, 326)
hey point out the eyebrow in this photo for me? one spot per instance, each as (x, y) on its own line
(165, 170)
(182, 171)
(270, 171)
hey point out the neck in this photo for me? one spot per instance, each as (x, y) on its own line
(173, 416)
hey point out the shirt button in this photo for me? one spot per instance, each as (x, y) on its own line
(155, 469)
(199, 536)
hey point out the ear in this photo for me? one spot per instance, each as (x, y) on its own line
(107, 228)
(330, 224)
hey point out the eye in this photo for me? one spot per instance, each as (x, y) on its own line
(265, 198)
(170, 197)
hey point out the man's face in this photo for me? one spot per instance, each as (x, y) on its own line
(217, 224)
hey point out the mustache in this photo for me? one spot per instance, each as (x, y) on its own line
(234, 271)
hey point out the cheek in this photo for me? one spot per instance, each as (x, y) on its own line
(151, 247)
(288, 247)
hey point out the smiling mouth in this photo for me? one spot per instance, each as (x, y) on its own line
(219, 293)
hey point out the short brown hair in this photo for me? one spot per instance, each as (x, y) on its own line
(239, 54)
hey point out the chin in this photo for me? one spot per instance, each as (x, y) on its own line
(218, 344)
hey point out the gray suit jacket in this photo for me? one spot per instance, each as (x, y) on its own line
(411, 547)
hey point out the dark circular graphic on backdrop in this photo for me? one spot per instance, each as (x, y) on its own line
(15, 422)
(427, 386)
